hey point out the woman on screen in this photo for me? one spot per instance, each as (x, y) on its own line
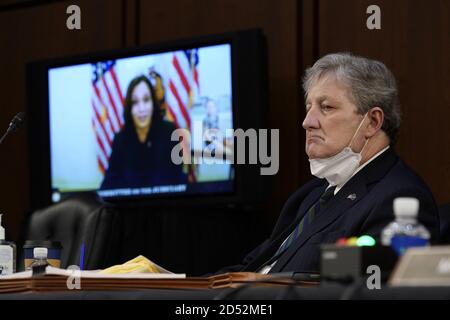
(141, 151)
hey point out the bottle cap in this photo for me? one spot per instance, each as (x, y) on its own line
(406, 207)
(2, 230)
(40, 252)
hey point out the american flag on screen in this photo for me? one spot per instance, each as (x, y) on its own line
(182, 87)
(107, 104)
(182, 90)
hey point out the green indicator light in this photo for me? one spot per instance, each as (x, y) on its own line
(365, 241)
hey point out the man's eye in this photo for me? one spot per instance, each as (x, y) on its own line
(326, 107)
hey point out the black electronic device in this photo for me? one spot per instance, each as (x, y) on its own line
(347, 264)
(80, 119)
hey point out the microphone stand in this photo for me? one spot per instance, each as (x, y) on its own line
(4, 135)
(16, 122)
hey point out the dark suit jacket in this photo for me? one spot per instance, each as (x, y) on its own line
(367, 211)
(133, 164)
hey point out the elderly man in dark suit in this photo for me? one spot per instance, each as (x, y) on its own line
(352, 122)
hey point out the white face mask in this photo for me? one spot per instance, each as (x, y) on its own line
(340, 167)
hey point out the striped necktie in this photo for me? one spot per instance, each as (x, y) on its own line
(306, 220)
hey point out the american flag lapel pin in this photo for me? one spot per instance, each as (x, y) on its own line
(352, 196)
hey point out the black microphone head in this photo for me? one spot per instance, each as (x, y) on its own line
(17, 121)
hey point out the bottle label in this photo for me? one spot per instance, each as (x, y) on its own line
(6, 260)
(401, 243)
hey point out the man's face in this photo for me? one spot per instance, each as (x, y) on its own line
(331, 119)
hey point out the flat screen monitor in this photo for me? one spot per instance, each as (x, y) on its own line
(153, 122)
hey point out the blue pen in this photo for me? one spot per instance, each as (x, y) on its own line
(82, 256)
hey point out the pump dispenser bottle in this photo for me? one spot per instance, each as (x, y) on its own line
(7, 253)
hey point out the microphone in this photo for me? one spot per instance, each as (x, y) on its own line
(15, 123)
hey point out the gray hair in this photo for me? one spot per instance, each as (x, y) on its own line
(370, 83)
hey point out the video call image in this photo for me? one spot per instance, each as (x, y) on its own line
(111, 124)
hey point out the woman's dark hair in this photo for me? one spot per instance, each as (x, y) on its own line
(157, 113)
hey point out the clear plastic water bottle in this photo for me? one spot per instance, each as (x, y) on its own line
(405, 231)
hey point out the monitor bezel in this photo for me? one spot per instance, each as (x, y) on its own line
(249, 70)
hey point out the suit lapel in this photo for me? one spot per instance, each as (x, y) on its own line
(312, 198)
(352, 192)
(337, 206)
(281, 233)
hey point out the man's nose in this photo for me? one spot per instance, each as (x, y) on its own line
(311, 120)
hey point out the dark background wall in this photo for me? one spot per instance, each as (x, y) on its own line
(414, 42)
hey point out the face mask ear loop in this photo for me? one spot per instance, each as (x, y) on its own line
(354, 135)
(365, 144)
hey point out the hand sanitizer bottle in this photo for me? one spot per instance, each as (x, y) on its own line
(7, 253)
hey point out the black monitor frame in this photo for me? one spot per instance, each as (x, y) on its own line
(249, 102)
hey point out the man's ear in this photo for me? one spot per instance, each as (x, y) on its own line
(376, 120)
